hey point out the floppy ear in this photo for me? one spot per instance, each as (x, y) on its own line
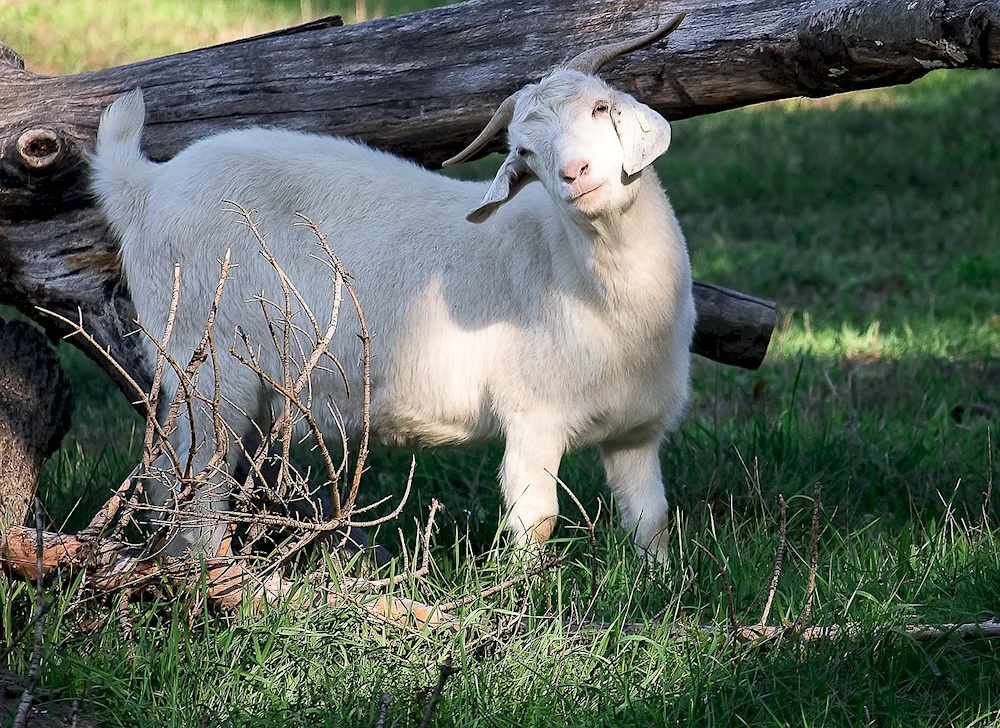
(513, 174)
(644, 134)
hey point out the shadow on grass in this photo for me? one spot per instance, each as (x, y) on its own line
(848, 212)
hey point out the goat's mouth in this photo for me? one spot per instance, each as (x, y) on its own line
(578, 196)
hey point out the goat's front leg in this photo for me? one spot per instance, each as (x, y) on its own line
(633, 472)
(528, 479)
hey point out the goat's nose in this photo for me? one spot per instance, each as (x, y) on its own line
(574, 169)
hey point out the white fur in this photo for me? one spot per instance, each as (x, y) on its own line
(555, 323)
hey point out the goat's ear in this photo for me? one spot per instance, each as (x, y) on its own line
(644, 134)
(513, 174)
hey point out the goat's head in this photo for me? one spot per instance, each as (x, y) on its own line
(583, 140)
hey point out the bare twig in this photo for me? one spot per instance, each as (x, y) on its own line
(21, 717)
(366, 415)
(78, 330)
(592, 537)
(988, 500)
(395, 511)
(107, 513)
(816, 532)
(444, 672)
(425, 556)
(73, 718)
(779, 557)
(383, 709)
(154, 389)
(406, 574)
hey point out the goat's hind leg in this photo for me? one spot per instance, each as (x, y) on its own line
(193, 523)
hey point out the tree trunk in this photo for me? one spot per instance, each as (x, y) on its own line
(422, 85)
(35, 406)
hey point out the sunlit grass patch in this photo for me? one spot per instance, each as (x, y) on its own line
(948, 339)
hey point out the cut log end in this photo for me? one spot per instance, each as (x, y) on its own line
(733, 328)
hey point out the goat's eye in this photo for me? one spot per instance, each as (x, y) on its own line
(523, 152)
(600, 108)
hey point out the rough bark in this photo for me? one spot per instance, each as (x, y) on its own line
(35, 406)
(422, 85)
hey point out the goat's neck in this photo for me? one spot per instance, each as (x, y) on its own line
(636, 262)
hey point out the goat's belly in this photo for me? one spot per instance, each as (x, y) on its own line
(595, 425)
(433, 388)
(453, 412)
(418, 428)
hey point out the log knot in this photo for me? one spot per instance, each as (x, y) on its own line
(40, 149)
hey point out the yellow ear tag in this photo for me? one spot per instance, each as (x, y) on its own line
(643, 122)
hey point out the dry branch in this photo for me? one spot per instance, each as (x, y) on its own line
(815, 533)
(383, 709)
(112, 566)
(763, 634)
(445, 670)
(779, 558)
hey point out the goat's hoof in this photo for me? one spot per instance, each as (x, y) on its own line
(541, 530)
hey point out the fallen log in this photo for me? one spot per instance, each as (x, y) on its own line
(422, 85)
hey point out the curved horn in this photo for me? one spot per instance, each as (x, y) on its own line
(501, 118)
(590, 62)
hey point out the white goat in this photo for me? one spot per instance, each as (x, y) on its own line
(562, 319)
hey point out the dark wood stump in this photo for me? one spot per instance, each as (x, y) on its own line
(36, 402)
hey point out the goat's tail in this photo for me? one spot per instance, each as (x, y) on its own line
(122, 176)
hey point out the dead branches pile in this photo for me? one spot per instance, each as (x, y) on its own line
(278, 509)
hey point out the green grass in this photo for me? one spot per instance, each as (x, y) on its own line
(873, 218)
